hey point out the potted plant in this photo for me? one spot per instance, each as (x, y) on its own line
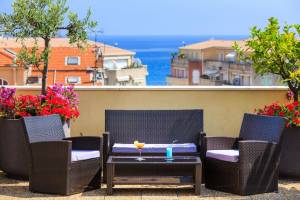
(13, 152)
(62, 101)
(41, 20)
(14, 155)
(276, 50)
(290, 161)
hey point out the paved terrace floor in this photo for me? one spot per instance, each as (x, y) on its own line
(14, 189)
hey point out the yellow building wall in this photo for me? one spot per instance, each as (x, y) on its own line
(223, 107)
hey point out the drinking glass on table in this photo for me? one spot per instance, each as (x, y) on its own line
(139, 147)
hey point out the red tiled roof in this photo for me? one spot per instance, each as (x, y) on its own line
(213, 44)
(107, 50)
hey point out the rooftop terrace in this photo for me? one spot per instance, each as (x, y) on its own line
(223, 110)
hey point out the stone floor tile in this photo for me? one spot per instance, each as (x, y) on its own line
(269, 196)
(124, 193)
(189, 193)
(160, 193)
(14, 189)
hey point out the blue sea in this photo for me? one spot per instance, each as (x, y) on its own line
(155, 51)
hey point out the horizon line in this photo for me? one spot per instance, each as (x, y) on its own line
(179, 35)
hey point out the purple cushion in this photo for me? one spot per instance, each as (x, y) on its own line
(226, 155)
(84, 155)
(155, 148)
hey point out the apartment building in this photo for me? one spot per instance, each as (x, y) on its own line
(67, 64)
(214, 62)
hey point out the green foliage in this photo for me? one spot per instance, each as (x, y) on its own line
(34, 18)
(181, 56)
(43, 19)
(135, 65)
(30, 57)
(274, 50)
(174, 55)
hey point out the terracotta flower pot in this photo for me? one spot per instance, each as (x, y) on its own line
(14, 154)
(290, 160)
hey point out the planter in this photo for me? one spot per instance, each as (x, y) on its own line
(14, 154)
(290, 160)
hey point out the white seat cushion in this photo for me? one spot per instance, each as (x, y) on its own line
(226, 155)
(84, 155)
(155, 148)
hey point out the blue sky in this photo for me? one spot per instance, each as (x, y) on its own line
(182, 17)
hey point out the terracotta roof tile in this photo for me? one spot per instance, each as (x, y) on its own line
(63, 42)
(213, 44)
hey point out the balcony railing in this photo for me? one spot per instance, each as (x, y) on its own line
(229, 65)
(180, 62)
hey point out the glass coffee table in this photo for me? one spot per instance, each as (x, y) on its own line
(182, 170)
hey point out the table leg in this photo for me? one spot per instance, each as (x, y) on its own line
(109, 178)
(198, 178)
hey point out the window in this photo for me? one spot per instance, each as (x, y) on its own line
(73, 80)
(115, 64)
(246, 80)
(194, 55)
(33, 80)
(196, 76)
(72, 60)
(180, 73)
(3, 82)
(237, 80)
(221, 56)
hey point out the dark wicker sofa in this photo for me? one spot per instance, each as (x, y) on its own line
(254, 167)
(151, 127)
(61, 165)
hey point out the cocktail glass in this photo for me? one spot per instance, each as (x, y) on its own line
(139, 147)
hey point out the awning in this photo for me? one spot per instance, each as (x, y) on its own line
(138, 78)
(123, 78)
(211, 72)
(231, 56)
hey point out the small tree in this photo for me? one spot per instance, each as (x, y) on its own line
(43, 19)
(274, 50)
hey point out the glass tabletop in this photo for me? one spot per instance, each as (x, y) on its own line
(151, 160)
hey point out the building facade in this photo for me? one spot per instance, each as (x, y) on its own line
(67, 63)
(214, 62)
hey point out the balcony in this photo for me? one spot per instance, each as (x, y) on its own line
(172, 80)
(223, 110)
(229, 65)
(180, 62)
(127, 76)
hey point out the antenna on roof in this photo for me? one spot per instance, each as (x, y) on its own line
(98, 54)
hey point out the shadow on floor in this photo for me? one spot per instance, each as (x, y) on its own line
(4, 179)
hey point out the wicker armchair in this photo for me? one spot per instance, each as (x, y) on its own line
(61, 165)
(258, 150)
(151, 127)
